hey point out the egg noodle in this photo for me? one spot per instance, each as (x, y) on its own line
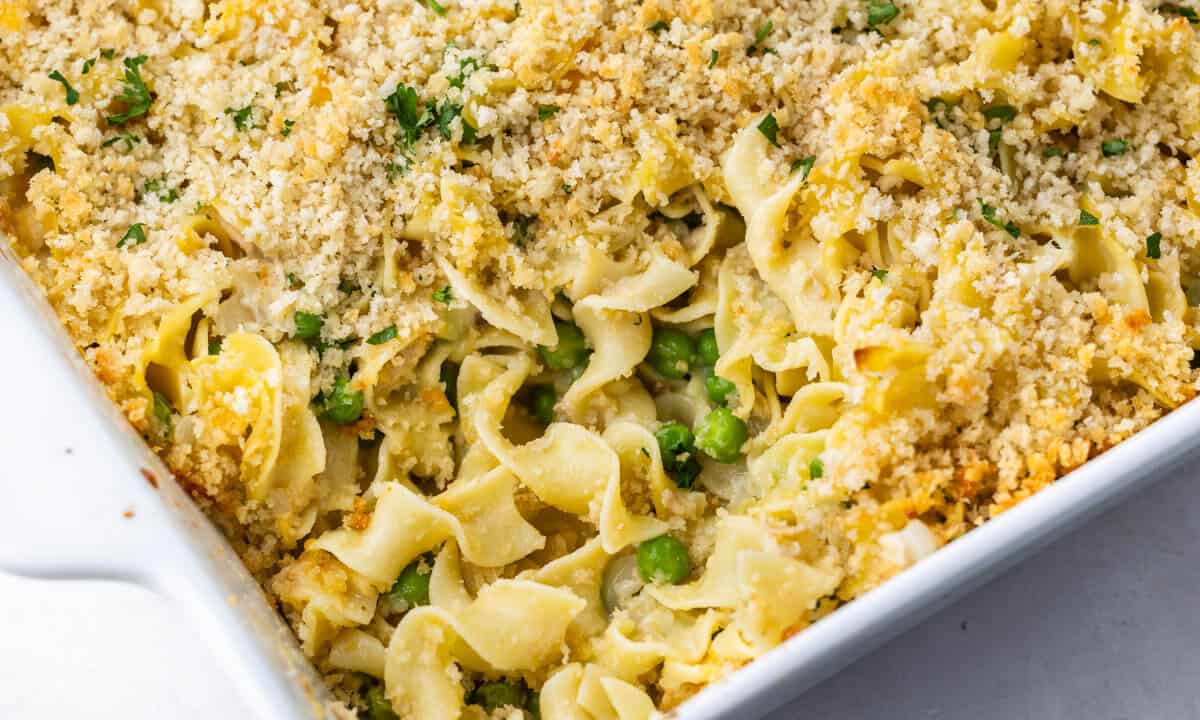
(561, 357)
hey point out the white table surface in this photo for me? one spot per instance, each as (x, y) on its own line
(1104, 625)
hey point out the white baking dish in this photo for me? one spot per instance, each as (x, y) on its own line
(87, 499)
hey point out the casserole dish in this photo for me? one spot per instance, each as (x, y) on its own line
(91, 501)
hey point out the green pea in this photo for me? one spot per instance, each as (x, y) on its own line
(449, 377)
(308, 325)
(343, 406)
(412, 586)
(671, 353)
(706, 347)
(678, 448)
(721, 435)
(718, 388)
(499, 693)
(663, 559)
(570, 351)
(378, 706)
(541, 403)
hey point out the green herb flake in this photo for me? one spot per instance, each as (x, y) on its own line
(939, 111)
(347, 286)
(134, 94)
(404, 105)
(658, 26)
(72, 93)
(760, 37)
(1154, 246)
(1113, 148)
(816, 468)
(87, 66)
(308, 325)
(294, 282)
(1053, 152)
(241, 117)
(433, 5)
(545, 112)
(126, 137)
(1003, 113)
(989, 214)
(712, 59)
(287, 127)
(521, 229)
(214, 345)
(1184, 12)
(108, 53)
(881, 13)
(879, 273)
(162, 411)
(135, 235)
(379, 338)
(769, 127)
(566, 188)
(994, 139)
(443, 295)
(466, 68)
(804, 166)
(159, 188)
(1086, 218)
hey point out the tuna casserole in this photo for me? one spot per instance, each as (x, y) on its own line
(560, 357)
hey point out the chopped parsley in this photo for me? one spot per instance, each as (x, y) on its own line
(1053, 152)
(443, 295)
(214, 345)
(135, 235)
(433, 5)
(712, 59)
(1113, 148)
(545, 112)
(879, 273)
(241, 117)
(108, 53)
(72, 93)
(134, 94)
(1184, 12)
(994, 139)
(760, 37)
(1086, 218)
(989, 214)
(816, 468)
(347, 285)
(566, 188)
(162, 411)
(404, 105)
(308, 325)
(939, 111)
(804, 165)
(87, 66)
(881, 13)
(658, 26)
(379, 338)
(129, 138)
(769, 127)
(1003, 113)
(287, 127)
(521, 229)
(445, 115)
(466, 68)
(294, 282)
(1154, 246)
(159, 188)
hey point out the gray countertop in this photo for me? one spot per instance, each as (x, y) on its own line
(1103, 625)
